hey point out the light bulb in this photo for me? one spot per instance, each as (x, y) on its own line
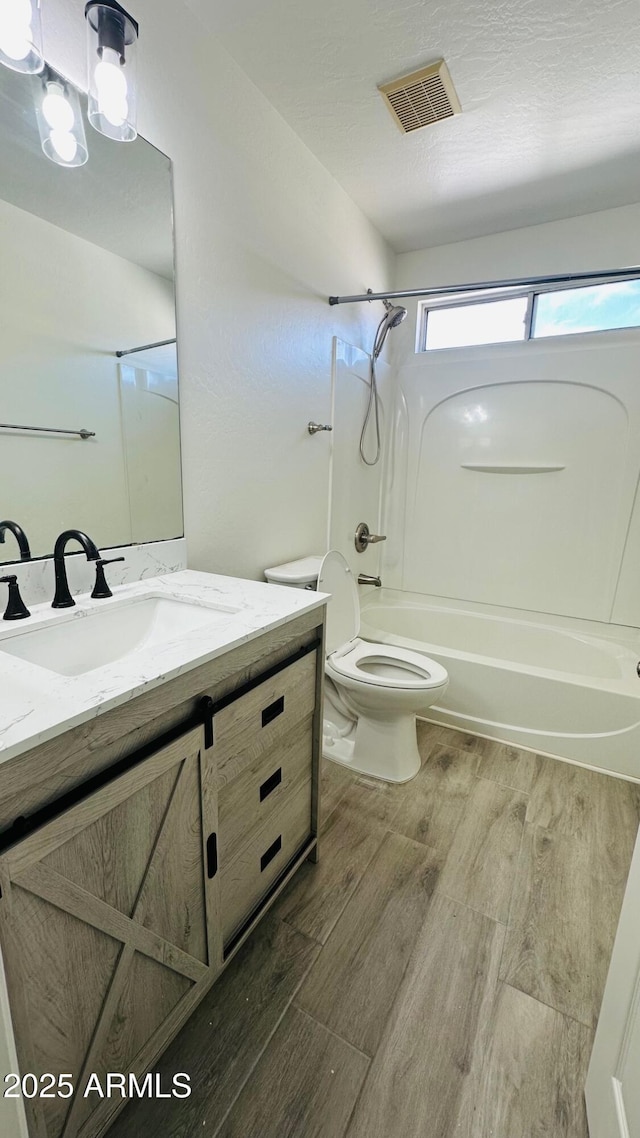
(111, 86)
(57, 109)
(115, 111)
(112, 36)
(64, 144)
(15, 28)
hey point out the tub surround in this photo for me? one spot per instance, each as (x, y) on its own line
(36, 704)
(349, 393)
(486, 458)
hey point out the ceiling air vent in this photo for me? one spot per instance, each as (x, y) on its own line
(422, 98)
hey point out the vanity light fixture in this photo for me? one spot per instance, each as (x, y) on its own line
(112, 36)
(60, 120)
(21, 36)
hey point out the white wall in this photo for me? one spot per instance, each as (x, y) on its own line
(67, 306)
(566, 542)
(607, 239)
(264, 235)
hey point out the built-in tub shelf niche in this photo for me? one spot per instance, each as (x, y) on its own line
(509, 468)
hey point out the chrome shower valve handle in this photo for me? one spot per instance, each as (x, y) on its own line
(364, 538)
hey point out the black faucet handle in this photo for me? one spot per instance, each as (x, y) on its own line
(101, 590)
(16, 608)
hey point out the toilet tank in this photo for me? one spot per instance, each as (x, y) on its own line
(299, 574)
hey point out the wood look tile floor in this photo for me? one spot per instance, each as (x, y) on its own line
(438, 974)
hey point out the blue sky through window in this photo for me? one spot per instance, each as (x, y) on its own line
(591, 309)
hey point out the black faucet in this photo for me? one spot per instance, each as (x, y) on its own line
(20, 536)
(63, 598)
(16, 608)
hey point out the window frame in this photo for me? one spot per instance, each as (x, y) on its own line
(495, 293)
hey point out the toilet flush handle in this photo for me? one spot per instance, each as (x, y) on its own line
(364, 538)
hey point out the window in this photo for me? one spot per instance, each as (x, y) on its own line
(480, 323)
(593, 309)
(530, 315)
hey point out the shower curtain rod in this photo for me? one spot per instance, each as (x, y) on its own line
(145, 347)
(482, 286)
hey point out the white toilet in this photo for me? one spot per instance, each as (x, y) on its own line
(373, 691)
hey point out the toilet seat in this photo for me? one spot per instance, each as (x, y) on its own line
(365, 662)
(374, 692)
(387, 666)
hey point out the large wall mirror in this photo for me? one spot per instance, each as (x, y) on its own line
(86, 273)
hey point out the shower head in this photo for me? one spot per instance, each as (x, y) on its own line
(395, 315)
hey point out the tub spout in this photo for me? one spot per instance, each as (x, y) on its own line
(365, 579)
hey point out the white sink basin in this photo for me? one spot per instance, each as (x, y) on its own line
(84, 642)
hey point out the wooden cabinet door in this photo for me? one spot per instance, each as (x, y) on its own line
(109, 928)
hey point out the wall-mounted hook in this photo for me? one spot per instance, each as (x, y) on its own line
(313, 428)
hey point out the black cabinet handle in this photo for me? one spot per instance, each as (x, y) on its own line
(273, 711)
(270, 784)
(206, 711)
(212, 855)
(269, 854)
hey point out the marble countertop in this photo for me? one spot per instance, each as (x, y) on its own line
(37, 704)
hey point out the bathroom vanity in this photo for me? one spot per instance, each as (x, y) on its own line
(152, 807)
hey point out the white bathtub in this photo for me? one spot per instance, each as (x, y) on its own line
(555, 688)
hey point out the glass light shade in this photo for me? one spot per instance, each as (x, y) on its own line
(21, 36)
(60, 120)
(112, 38)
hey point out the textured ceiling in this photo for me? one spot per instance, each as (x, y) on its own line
(550, 91)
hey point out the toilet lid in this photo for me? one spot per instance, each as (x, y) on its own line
(343, 610)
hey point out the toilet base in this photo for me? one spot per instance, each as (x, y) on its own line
(385, 748)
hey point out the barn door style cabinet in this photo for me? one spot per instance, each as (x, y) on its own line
(109, 924)
(124, 896)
